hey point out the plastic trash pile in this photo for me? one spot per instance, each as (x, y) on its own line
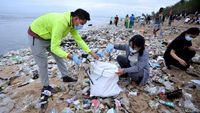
(21, 91)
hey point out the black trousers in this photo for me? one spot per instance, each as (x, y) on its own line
(124, 63)
(186, 55)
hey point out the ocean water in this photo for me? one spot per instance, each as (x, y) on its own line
(13, 30)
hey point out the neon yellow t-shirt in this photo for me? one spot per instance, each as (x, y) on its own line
(56, 26)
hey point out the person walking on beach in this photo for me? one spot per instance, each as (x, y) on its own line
(170, 18)
(46, 33)
(157, 22)
(132, 19)
(126, 22)
(180, 51)
(116, 20)
(148, 19)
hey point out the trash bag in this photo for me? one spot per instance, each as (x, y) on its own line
(188, 102)
(103, 79)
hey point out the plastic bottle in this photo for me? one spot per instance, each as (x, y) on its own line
(170, 104)
(53, 110)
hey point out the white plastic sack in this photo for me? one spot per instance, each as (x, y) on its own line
(104, 79)
(187, 20)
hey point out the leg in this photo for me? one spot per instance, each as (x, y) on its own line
(154, 32)
(39, 49)
(137, 77)
(171, 61)
(62, 68)
(61, 65)
(131, 24)
(40, 57)
(161, 33)
(187, 55)
(124, 63)
(177, 64)
(126, 24)
(156, 29)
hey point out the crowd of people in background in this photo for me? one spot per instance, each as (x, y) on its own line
(128, 21)
(192, 18)
(116, 20)
(156, 20)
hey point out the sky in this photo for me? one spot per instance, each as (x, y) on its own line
(105, 8)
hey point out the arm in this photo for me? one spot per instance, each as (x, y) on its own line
(56, 39)
(120, 46)
(142, 62)
(80, 41)
(181, 61)
(173, 54)
(193, 49)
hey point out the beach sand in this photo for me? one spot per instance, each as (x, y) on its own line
(22, 99)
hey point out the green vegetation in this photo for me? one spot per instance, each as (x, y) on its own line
(184, 6)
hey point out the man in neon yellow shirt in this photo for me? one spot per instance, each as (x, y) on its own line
(46, 34)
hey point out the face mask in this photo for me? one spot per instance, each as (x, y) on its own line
(132, 50)
(78, 27)
(188, 38)
(133, 57)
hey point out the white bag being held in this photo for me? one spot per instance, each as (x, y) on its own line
(104, 79)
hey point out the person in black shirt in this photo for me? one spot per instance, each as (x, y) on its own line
(180, 51)
(116, 20)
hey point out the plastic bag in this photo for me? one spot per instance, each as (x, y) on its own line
(188, 103)
(104, 80)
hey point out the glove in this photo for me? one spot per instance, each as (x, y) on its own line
(76, 59)
(100, 54)
(109, 48)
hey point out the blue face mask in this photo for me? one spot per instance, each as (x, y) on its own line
(78, 27)
(188, 38)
